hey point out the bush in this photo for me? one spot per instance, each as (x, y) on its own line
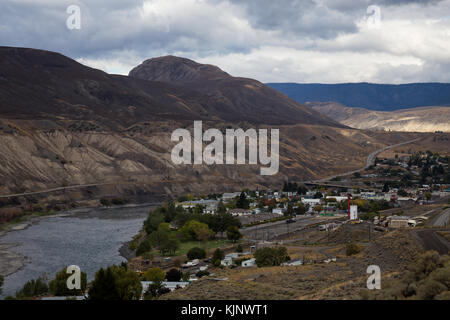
(202, 274)
(32, 288)
(218, 255)
(266, 257)
(174, 275)
(196, 253)
(352, 248)
(143, 247)
(239, 248)
(155, 275)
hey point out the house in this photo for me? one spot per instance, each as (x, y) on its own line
(311, 202)
(240, 212)
(400, 222)
(192, 263)
(226, 262)
(230, 196)
(249, 263)
(278, 210)
(295, 262)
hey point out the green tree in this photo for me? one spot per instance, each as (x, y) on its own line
(218, 255)
(32, 288)
(153, 221)
(242, 201)
(144, 246)
(233, 233)
(58, 286)
(104, 286)
(196, 253)
(155, 275)
(174, 275)
(105, 202)
(195, 230)
(266, 257)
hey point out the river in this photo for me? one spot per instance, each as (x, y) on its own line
(88, 238)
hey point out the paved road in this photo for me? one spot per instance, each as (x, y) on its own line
(442, 219)
(369, 161)
(270, 231)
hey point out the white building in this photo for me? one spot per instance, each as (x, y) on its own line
(249, 263)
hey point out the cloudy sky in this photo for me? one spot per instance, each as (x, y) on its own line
(326, 41)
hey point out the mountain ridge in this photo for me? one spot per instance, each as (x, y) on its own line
(372, 96)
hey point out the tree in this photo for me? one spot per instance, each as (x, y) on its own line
(127, 283)
(289, 211)
(242, 202)
(385, 188)
(352, 248)
(104, 286)
(266, 257)
(300, 210)
(233, 233)
(33, 288)
(174, 275)
(428, 195)
(58, 286)
(218, 256)
(155, 275)
(239, 248)
(153, 221)
(144, 246)
(115, 283)
(196, 253)
(169, 246)
(195, 230)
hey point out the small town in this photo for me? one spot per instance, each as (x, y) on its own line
(196, 237)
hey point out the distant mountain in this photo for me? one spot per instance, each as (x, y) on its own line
(425, 119)
(381, 97)
(229, 98)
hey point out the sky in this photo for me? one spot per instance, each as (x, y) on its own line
(303, 41)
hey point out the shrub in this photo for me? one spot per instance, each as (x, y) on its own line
(196, 253)
(218, 255)
(155, 275)
(143, 247)
(32, 288)
(265, 257)
(239, 248)
(202, 274)
(173, 275)
(352, 248)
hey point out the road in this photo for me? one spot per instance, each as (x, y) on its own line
(430, 240)
(369, 161)
(80, 186)
(270, 231)
(441, 220)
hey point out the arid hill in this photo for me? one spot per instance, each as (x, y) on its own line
(64, 124)
(426, 119)
(231, 98)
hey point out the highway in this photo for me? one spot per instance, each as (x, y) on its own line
(369, 161)
(270, 231)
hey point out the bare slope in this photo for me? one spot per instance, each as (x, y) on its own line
(426, 119)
